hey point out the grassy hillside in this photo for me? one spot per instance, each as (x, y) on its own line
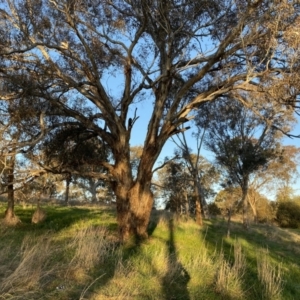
(75, 254)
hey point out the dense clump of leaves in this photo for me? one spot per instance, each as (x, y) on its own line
(288, 214)
(73, 147)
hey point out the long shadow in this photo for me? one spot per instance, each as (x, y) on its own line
(60, 217)
(174, 283)
(176, 279)
(259, 237)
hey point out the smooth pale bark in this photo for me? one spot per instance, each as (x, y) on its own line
(200, 199)
(68, 181)
(198, 204)
(245, 205)
(253, 206)
(229, 213)
(93, 190)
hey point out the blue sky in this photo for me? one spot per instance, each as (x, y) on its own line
(140, 128)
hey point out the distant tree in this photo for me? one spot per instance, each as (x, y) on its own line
(175, 182)
(242, 142)
(228, 199)
(192, 166)
(288, 214)
(282, 171)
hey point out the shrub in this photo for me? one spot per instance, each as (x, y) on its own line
(288, 214)
(213, 209)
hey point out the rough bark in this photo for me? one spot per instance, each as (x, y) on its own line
(10, 218)
(141, 203)
(121, 186)
(198, 211)
(134, 205)
(134, 197)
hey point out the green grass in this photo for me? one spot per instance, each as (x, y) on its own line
(75, 254)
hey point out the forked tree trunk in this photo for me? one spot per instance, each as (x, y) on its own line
(134, 197)
(253, 207)
(141, 203)
(134, 206)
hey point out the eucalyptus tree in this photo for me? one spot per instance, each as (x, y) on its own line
(203, 174)
(174, 55)
(174, 182)
(242, 142)
(282, 171)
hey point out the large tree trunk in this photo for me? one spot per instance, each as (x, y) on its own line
(134, 197)
(141, 203)
(134, 206)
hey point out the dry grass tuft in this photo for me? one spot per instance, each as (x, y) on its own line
(10, 221)
(91, 247)
(38, 216)
(31, 267)
(229, 277)
(269, 276)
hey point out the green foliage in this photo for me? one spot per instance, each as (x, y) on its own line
(288, 214)
(213, 209)
(266, 212)
(74, 147)
(241, 141)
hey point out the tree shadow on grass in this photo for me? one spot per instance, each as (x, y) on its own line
(281, 246)
(173, 282)
(61, 217)
(176, 279)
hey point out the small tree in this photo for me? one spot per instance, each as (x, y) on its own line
(194, 166)
(281, 173)
(241, 141)
(174, 181)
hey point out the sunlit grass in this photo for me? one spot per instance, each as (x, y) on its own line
(75, 254)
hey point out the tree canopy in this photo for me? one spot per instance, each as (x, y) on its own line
(56, 57)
